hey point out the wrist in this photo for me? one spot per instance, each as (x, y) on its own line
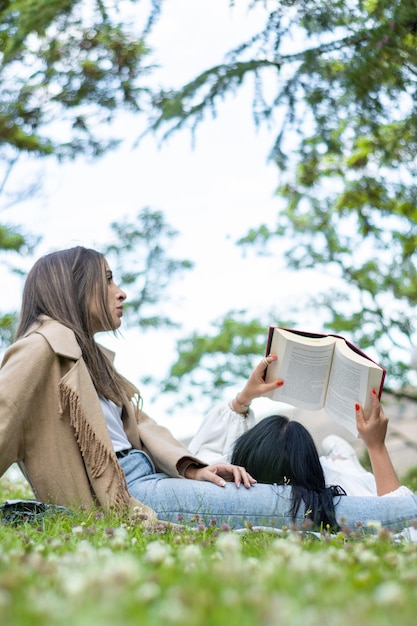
(243, 400)
(377, 448)
(186, 463)
(240, 405)
(192, 469)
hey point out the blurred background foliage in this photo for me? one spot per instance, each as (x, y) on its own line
(336, 85)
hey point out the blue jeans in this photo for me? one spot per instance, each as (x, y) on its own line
(182, 500)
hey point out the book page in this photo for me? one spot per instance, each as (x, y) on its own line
(351, 380)
(304, 365)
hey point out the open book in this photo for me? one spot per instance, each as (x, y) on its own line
(322, 372)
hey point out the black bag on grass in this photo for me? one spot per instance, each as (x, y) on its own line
(18, 511)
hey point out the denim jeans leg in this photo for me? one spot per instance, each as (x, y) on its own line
(183, 500)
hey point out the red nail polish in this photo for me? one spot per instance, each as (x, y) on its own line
(280, 383)
(373, 392)
(357, 407)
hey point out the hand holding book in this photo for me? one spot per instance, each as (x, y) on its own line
(255, 387)
(322, 372)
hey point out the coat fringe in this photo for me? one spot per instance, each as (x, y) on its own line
(96, 455)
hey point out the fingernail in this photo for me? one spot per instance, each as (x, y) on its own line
(223, 483)
(357, 407)
(280, 383)
(373, 392)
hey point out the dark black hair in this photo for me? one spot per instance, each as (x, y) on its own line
(279, 450)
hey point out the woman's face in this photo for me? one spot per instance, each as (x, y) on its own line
(115, 299)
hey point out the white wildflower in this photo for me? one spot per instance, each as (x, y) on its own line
(73, 582)
(48, 605)
(56, 542)
(287, 548)
(158, 552)
(366, 557)
(39, 548)
(253, 565)
(86, 551)
(173, 610)
(120, 537)
(107, 575)
(190, 556)
(147, 592)
(121, 570)
(228, 544)
(389, 593)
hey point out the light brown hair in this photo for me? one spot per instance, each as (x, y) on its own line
(62, 285)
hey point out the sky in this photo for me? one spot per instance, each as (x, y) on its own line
(211, 193)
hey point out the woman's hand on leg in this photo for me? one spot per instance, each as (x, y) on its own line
(220, 474)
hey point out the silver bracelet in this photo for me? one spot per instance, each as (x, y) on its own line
(246, 406)
(244, 415)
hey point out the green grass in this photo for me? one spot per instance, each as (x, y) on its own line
(87, 569)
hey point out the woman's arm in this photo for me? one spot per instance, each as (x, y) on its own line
(218, 431)
(255, 386)
(373, 430)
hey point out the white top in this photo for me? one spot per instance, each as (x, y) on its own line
(113, 416)
(214, 441)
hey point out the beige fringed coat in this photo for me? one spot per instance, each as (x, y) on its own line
(52, 425)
